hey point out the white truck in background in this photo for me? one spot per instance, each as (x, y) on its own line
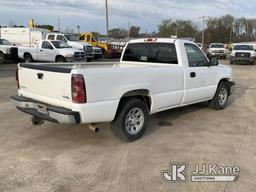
(23, 36)
(74, 42)
(153, 75)
(217, 50)
(50, 51)
(7, 51)
(243, 53)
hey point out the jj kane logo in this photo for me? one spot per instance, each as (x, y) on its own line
(201, 173)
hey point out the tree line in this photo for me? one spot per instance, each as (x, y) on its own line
(225, 29)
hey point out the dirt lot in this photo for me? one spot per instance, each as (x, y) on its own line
(63, 158)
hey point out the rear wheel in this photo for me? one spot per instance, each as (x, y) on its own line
(2, 58)
(221, 96)
(28, 58)
(131, 120)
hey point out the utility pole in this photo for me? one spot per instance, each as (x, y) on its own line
(58, 24)
(107, 24)
(128, 32)
(177, 27)
(203, 18)
(78, 29)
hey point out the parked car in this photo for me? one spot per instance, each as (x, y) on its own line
(216, 50)
(7, 51)
(74, 42)
(51, 51)
(153, 75)
(243, 53)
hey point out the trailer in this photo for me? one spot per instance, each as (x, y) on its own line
(23, 36)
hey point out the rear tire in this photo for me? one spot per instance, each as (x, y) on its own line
(220, 98)
(2, 58)
(131, 120)
(28, 58)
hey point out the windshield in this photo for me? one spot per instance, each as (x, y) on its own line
(151, 52)
(217, 46)
(4, 42)
(243, 47)
(60, 44)
(72, 37)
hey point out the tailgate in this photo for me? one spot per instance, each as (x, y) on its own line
(51, 85)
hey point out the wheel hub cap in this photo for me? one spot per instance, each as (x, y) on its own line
(134, 121)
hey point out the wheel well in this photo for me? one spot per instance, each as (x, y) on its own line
(26, 53)
(225, 80)
(142, 94)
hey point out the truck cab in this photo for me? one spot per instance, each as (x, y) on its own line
(73, 41)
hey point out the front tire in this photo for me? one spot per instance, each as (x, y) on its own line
(220, 98)
(60, 59)
(131, 120)
(2, 58)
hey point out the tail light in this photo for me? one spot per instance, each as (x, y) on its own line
(17, 77)
(78, 89)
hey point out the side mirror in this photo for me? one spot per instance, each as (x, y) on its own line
(213, 62)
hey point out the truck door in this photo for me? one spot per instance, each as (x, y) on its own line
(200, 79)
(46, 52)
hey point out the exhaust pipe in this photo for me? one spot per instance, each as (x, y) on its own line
(93, 128)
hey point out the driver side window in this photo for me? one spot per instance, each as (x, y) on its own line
(61, 38)
(195, 56)
(46, 45)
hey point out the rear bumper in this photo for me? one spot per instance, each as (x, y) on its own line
(45, 111)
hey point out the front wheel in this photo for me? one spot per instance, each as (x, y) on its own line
(2, 58)
(131, 120)
(220, 98)
(60, 59)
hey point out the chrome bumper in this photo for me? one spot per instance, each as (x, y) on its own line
(45, 111)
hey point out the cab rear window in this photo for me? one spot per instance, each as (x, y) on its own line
(151, 53)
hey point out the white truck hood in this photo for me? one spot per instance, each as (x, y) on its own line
(78, 45)
(66, 51)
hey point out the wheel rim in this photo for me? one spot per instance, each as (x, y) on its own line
(134, 121)
(28, 59)
(223, 96)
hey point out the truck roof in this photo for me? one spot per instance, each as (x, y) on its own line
(158, 40)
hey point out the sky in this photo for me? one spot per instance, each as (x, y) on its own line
(90, 14)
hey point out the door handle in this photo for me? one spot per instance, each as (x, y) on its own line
(41, 50)
(193, 74)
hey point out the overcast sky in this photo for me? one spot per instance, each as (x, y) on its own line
(90, 14)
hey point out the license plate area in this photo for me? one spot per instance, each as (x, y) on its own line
(42, 109)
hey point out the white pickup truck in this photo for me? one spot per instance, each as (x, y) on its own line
(73, 41)
(7, 51)
(51, 51)
(153, 75)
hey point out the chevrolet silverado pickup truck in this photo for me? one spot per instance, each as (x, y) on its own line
(217, 50)
(243, 53)
(7, 51)
(153, 75)
(51, 51)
